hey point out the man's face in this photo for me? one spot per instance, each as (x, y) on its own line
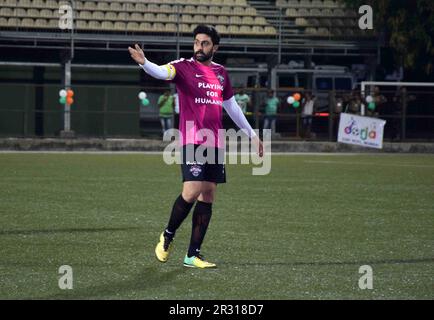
(203, 48)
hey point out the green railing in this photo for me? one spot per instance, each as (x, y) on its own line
(29, 110)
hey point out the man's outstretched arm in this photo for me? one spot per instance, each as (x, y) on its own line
(233, 109)
(166, 72)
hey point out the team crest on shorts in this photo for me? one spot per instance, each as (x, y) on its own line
(195, 170)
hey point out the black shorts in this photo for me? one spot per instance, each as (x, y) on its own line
(196, 170)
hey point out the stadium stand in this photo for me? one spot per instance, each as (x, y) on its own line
(322, 18)
(232, 16)
(281, 24)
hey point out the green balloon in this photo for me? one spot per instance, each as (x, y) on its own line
(62, 100)
(145, 102)
(371, 106)
(296, 104)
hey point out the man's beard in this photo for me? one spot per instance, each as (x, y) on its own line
(204, 57)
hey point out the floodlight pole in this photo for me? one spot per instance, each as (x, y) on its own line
(279, 59)
(177, 32)
(67, 132)
(72, 29)
(67, 114)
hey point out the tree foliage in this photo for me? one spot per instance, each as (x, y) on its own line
(408, 27)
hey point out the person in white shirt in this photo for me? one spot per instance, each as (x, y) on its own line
(307, 114)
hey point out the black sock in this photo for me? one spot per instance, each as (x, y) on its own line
(201, 218)
(180, 211)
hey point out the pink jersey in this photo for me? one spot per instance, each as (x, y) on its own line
(201, 91)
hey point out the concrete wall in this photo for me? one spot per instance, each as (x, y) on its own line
(158, 145)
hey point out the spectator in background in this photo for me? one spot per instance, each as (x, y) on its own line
(308, 104)
(271, 105)
(176, 115)
(379, 100)
(355, 104)
(243, 100)
(166, 104)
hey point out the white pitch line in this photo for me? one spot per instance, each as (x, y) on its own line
(81, 152)
(286, 154)
(322, 154)
(371, 164)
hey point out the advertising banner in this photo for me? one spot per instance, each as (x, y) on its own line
(361, 131)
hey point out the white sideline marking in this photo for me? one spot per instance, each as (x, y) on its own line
(370, 164)
(288, 154)
(273, 153)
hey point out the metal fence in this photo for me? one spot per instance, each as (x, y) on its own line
(29, 110)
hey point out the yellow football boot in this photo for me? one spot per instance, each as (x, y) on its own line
(197, 262)
(162, 250)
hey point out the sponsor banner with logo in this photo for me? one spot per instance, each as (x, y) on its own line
(361, 131)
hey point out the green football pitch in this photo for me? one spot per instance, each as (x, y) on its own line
(301, 232)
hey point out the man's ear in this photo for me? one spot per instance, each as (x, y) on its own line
(215, 48)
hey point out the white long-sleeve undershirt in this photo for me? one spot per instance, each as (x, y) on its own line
(233, 109)
(166, 72)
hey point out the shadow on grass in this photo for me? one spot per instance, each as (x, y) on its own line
(66, 230)
(329, 263)
(150, 277)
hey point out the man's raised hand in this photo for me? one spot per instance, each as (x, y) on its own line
(137, 54)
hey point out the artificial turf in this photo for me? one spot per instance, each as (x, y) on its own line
(301, 232)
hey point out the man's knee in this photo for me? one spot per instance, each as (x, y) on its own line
(191, 192)
(208, 193)
(190, 196)
(207, 197)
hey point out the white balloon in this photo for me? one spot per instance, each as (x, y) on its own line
(369, 99)
(142, 95)
(291, 100)
(62, 93)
